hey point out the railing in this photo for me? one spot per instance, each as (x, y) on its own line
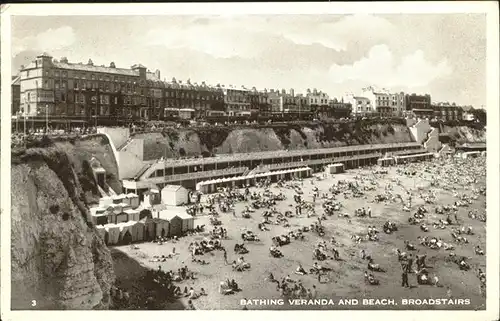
(204, 174)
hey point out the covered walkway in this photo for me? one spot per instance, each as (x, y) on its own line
(211, 186)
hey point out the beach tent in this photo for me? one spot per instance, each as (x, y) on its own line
(113, 233)
(125, 233)
(174, 195)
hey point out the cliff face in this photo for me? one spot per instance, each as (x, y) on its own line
(57, 258)
(224, 140)
(465, 134)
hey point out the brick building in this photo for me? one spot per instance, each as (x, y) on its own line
(237, 101)
(419, 102)
(91, 92)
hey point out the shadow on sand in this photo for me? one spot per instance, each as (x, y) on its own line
(130, 277)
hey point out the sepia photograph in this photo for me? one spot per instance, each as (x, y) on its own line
(269, 160)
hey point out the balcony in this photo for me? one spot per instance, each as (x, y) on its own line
(205, 175)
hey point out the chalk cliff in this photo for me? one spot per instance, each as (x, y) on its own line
(57, 257)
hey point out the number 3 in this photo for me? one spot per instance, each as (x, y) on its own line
(33, 303)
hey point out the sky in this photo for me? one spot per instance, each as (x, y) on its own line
(440, 54)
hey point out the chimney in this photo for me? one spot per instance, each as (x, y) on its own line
(90, 63)
(292, 92)
(157, 74)
(64, 60)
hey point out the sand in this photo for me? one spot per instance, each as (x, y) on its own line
(346, 280)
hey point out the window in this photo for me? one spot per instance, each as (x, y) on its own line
(92, 77)
(64, 74)
(56, 85)
(56, 73)
(63, 97)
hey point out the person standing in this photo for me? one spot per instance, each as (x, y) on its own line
(404, 274)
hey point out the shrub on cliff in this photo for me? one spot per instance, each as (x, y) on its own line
(87, 179)
(213, 137)
(59, 162)
(283, 134)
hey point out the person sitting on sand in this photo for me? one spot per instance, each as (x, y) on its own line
(288, 279)
(190, 306)
(233, 285)
(317, 267)
(192, 294)
(300, 270)
(202, 292)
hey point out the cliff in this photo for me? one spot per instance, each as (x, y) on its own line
(225, 140)
(465, 134)
(80, 151)
(57, 257)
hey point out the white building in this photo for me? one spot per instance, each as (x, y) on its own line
(384, 102)
(317, 98)
(360, 105)
(174, 195)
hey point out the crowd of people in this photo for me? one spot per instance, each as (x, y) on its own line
(426, 213)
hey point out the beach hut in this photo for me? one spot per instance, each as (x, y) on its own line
(174, 195)
(386, 161)
(175, 226)
(117, 199)
(179, 221)
(335, 168)
(187, 222)
(133, 200)
(117, 208)
(105, 201)
(121, 218)
(133, 215)
(149, 229)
